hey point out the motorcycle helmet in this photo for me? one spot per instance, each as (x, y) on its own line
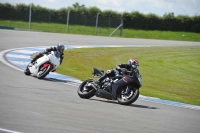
(60, 48)
(133, 63)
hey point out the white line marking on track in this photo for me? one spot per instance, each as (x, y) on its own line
(19, 62)
(9, 131)
(18, 56)
(5, 62)
(26, 51)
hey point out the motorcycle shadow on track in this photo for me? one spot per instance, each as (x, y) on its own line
(61, 81)
(131, 105)
(108, 101)
(58, 80)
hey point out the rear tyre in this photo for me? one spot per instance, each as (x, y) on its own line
(85, 91)
(27, 72)
(43, 73)
(129, 98)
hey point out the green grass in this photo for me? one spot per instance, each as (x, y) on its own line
(162, 35)
(168, 72)
(102, 31)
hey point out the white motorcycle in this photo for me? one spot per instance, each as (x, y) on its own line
(44, 65)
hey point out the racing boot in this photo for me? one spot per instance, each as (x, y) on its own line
(36, 57)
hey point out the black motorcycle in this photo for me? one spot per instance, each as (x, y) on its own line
(118, 86)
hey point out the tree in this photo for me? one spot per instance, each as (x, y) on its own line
(93, 11)
(80, 9)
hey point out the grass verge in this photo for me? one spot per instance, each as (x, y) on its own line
(103, 31)
(168, 72)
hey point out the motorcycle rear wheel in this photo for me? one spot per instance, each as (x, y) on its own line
(27, 72)
(127, 99)
(85, 91)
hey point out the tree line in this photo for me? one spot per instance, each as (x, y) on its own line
(131, 20)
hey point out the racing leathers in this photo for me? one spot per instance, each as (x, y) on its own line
(125, 68)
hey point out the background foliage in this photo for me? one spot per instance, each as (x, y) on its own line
(132, 20)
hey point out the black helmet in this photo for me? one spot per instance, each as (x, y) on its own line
(60, 48)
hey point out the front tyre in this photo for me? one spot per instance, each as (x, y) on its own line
(128, 98)
(43, 73)
(85, 90)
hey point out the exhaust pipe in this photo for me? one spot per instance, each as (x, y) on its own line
(103, 94)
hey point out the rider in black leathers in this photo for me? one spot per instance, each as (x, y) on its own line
(125, 68)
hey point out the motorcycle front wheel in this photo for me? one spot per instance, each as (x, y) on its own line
(128, 98)
(86, 91)
(43, 73)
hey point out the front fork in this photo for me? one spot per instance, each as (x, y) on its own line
(125, 81)
(127, 91)
(45, 66)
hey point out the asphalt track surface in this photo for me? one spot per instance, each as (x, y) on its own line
(29, 105)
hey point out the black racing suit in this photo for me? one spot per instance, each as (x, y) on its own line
(121, 67)
(46, 52)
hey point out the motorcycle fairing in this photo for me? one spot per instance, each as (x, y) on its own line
(34, 69)
(137, 79)
(103, 94)
(120, 83)
(54, 58)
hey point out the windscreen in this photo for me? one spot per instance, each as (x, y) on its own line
(57, 54)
